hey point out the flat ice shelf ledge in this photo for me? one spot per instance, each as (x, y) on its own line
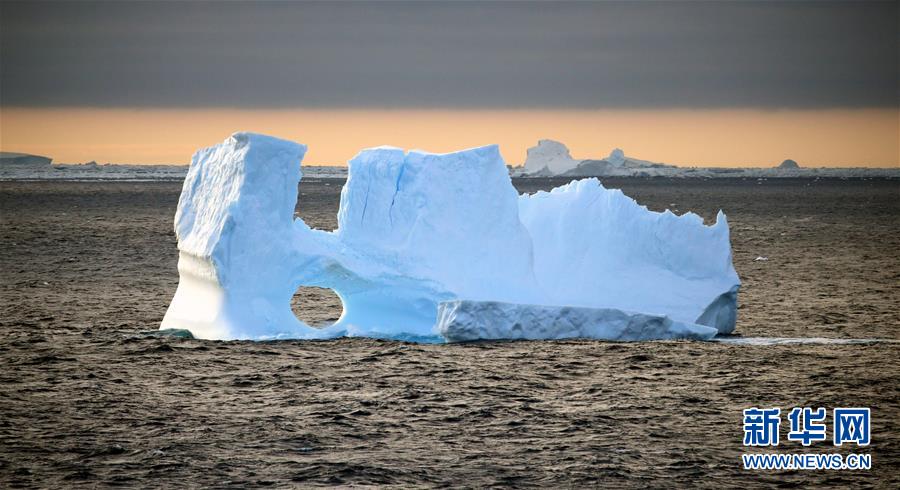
(463, 320)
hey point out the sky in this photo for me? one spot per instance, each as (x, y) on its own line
(690, 83)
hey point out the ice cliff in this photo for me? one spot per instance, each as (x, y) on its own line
(438, 247)
(238, 262)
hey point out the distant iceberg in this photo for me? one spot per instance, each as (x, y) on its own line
(552, 159)
(426, 241)
(548, 158)
(23, 160)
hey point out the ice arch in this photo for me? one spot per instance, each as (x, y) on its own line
(421, 234)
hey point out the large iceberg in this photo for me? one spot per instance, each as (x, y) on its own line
(422, 233)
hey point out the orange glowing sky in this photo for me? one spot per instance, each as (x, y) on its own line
(684, 83)
(720, 137)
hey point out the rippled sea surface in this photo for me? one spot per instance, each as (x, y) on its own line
(88, 397)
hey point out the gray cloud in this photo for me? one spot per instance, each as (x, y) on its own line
(435, 54)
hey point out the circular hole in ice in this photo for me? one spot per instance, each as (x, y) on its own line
(317, 307)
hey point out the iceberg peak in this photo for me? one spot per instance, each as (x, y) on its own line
(616, 157)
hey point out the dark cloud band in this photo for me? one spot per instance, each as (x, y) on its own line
(434, 54)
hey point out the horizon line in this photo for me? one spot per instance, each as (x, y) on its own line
(707, 138)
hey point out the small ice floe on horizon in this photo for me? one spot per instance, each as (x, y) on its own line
(417, 229)
(799, 340)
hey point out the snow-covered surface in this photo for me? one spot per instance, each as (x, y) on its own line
(462, 320)
(417, 229)
(597, 247)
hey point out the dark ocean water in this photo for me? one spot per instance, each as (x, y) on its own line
(88, 398)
